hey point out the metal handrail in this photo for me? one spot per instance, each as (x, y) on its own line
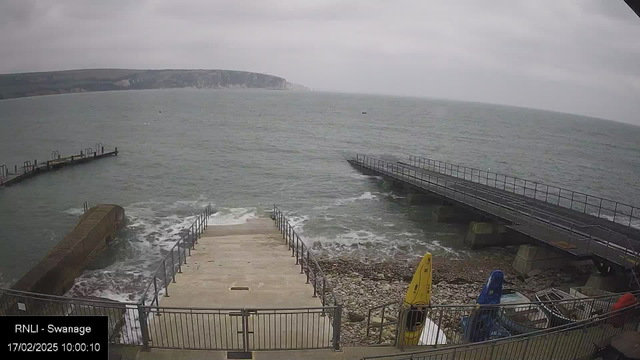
(304, 257)
(454, 170)
(182, 248)
(66, 299)
(584, 324)
(437, 312)
(458, 191)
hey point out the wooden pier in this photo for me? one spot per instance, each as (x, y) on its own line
(30, 169)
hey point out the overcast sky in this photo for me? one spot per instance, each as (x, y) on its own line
(577, 56)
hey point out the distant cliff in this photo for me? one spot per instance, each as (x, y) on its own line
(71, 81)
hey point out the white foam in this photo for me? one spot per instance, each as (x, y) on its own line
(153, 229)
(366, 196)
(74, 211)
(233, 216)
(621, 219)
(363, 176)
(298, 221)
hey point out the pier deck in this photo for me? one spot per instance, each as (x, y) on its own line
(30, 169)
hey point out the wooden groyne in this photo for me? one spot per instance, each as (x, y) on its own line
(30, 169)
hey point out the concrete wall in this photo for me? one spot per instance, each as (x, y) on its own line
(533, 257)
(56, 273)
(481, 234)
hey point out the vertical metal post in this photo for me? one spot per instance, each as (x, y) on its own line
(302, 258)
(324, 287)
(164, 271)
(173, 268)
(584, 330)
(599, 207)
(155, 290)
(142, 318)
(615, 211)
(337, 326)
(297, 247)
(179, 258)
(308, 267)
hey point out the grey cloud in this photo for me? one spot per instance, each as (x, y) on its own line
(575, 56)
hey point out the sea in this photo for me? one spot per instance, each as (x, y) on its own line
(242, 151)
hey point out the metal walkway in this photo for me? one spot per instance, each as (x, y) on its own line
(30, 169)
(582, 229)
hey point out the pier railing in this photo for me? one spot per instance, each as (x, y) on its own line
(612, 210)
(172, 263)
(457, 324)
(29, 168)
(570, 341)
(542, 225)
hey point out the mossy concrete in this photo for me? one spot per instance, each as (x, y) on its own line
(58, 270)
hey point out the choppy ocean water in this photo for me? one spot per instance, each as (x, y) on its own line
(242, 151)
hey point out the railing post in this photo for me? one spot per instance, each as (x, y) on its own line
(324, 299)
(164, 271)
(308, 270)
(337, 326)
(142, 318)
(302, 259)
(296, 249)
(599, 207)
(155, 290)
(292, 244)
(179, 258)
(173, 267)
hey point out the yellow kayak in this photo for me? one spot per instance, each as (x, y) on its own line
(417, 299)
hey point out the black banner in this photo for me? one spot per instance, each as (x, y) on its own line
(46, 337)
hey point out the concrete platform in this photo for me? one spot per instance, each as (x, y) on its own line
(240, 267)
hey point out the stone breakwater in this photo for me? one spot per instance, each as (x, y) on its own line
(362, 285)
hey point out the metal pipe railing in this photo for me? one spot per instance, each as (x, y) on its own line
(175, 258)
(442, 315)
(614, 211)
(309, 266)
(558, 344)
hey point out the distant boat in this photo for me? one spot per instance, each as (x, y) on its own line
(521, 319)
(364, 113)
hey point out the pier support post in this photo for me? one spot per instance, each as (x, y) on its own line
(609, 282)
(482, 234)
(533, 257)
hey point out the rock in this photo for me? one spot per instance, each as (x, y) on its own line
(390, 318)
(471, 295)
(534, 272)
(380, 276)
(387, 335)
(375, 320)
(355, 317)
(386, 287)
